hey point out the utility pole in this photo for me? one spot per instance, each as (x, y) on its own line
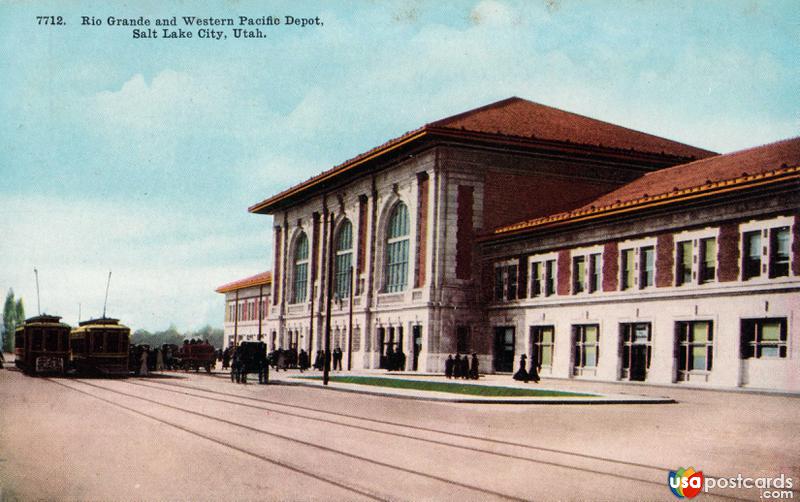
(329, 274)
(350, 327)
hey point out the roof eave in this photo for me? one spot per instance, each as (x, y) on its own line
(692, 193)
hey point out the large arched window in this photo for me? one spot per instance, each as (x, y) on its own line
(344, 260)
(300, 285)
(397, 249)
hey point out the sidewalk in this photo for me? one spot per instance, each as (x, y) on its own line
(597, 397)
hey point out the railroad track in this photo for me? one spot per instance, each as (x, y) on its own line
(517, 456)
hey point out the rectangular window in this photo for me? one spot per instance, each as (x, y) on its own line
(587, 351)
(763, 338)
(344, 274)
(542, 338)
(779, 252)
(550, 278)
(751, 259)
(397, 265)
(300, 282)
(683, 273)
(694, 344)
(505, 282)
(499, 287)
(595, 271)
(708, 260)
(627, 269)
(536, 279)
(578, 274)
(646, 267)
(511, 274)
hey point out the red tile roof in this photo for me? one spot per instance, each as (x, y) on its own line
(255, 280)
(764, 164)
(522, 118)
(519, 119)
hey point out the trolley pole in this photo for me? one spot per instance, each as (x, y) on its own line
(329, 278)
(236, 320)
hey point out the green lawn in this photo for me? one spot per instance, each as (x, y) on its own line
(453, 388)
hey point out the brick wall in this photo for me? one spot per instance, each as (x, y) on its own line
(362, 232)
(422, 230)
(276, 274)
(563, 277)
(610, 266)
(728, 252)
(465, 232)
(665, 260)
(510, 198)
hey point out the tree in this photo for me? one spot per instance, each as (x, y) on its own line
(20, 311)
(9, 321)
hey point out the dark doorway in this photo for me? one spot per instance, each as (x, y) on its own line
(635, 341)
(391, 343)
(504, 349)
(416, 332)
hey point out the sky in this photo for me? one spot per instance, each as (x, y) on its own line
(141, 156)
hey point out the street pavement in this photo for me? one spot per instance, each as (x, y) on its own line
(187, 436)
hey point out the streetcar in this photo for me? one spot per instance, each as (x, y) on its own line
(100, 347)
(194, 356)
(41, 345)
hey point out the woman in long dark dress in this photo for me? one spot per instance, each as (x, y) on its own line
(522, 374)
(533, 373)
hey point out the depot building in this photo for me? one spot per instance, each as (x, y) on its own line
(600, 252)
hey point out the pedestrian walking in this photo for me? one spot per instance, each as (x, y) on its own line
(457, 367)
(448, 366)
(473, 370)
(159, 361)
(302, 360)
(522, 373)
(534, 371)
(337, 359)
(143, 362)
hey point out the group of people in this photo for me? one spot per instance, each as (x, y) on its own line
(241, 367)
(461, 367)
(142, 359)
(524, 375)
(394, 360)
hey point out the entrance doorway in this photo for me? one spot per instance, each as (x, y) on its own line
(635, 344)
(504, 349)
(390, 341)
(416, 333)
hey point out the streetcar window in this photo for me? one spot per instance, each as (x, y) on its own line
(18, 340)
(78, 345)
(97, 341)
(113, 342)
(36, 339)
(51, 340)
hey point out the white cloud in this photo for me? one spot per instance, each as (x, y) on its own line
(164, 268)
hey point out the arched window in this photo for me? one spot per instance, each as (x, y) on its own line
(300, 269)
(397, 249)
(344, 260)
